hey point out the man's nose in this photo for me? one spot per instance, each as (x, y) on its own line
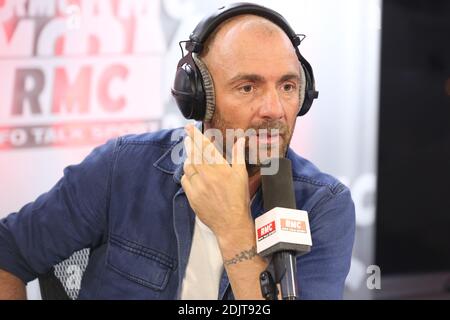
(271, 107)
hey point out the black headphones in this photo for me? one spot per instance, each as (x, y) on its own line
(193, 87)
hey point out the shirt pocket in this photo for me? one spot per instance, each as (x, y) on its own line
(140, 264)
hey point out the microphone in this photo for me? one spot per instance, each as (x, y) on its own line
(283, 231)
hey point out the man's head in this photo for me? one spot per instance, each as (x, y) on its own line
(243, 70)
(257, 78)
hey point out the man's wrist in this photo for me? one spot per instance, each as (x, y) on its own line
(238, 244)
(232, 236)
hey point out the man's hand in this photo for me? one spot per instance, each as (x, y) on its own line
(217, 191)
(219, 195)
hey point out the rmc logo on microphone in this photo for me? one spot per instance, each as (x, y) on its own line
(293, 225)
(266, 230)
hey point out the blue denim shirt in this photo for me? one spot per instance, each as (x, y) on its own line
(126, 203)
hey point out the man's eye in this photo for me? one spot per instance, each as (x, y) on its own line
(288, 87)
(246, 89)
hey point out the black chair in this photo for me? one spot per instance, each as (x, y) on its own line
(63, 281)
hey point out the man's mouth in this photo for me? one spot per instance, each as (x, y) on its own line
(269, 138)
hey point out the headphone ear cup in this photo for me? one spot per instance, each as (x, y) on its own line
(302, 89)
(208, 87)
(309, 93)
(188, 90)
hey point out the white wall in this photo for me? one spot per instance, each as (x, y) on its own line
(339, 134)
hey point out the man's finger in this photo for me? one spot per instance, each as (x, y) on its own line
(204, 146)
(193, 156)
(238, 154)
(186, 184)
(193, 163)
(189, 170)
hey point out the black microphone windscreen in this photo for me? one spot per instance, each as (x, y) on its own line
(278, 189)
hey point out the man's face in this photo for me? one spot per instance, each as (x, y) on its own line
(256, 77)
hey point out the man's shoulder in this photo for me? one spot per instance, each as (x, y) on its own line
(134, 150)
(164, 138)
(318, 192)
(308, 175)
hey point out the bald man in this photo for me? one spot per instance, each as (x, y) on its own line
(162, 229)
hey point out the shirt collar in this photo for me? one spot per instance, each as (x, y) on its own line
(173, 159)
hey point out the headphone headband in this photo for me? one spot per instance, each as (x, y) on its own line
(203, 30)
(193, 87)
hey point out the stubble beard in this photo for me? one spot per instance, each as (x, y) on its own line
(253, 167)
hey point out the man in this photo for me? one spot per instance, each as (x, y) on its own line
(158, 229)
